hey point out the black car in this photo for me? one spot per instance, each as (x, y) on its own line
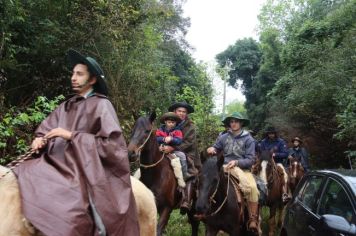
(324, 203)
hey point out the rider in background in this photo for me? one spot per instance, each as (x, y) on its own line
(278, 147)
(300, 153)
(239, 156)
(170, 134)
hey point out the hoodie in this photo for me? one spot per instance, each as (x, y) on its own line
(240, 148)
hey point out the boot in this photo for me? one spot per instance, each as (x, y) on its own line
(253, 217)
(186, 204)
(186, 175)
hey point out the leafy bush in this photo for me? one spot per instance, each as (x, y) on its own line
(18, 125)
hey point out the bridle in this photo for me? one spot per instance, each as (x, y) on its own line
(211, 198)
(139, 149)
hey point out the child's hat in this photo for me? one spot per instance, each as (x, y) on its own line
(170, 116)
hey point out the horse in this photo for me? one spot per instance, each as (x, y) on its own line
(14, 223)
(156, 172)
(296, 172)
(271, 174)
(217, 204)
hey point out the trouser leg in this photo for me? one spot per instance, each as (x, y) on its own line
(183, 163)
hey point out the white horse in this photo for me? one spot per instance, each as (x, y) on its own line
(13, 222)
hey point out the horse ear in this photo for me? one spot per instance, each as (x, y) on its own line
(220, 160)
(153, 116)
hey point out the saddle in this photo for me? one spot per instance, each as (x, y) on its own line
(238, 192)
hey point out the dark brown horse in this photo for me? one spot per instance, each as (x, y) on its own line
(272, 175)
(217, 203)
(295, 173)
(156, 172)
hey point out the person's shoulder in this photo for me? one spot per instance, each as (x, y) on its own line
(281, 140)
(223, 136)
(100, 99)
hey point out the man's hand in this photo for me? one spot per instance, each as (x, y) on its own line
(168, 139)
(231, 164)
(211, 151)
(59, 132)
(167, 149)
(38, 143)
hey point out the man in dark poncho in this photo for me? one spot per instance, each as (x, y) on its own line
(80, 184)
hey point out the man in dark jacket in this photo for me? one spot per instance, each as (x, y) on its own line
(298, 152)
(80, 182)
(238, 147)
(189, 147)
(278, 147)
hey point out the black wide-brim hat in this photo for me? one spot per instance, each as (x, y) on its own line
(270, 130)
(176, 105)
(170, 116)
(94, 68)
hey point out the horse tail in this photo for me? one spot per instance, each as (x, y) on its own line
(146, 208)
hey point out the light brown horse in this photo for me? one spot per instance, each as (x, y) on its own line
(156, 172)
(13, 222)
(295, 173)
(272, 174)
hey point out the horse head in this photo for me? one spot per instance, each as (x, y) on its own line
(265, 164)
(140, 134)
(295, 168)
(296, 172)
(209, 180)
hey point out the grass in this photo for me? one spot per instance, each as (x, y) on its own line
(178, 225)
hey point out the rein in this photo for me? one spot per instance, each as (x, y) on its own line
(19, 160)
(154, 164)
(139, 153)
(214, 193)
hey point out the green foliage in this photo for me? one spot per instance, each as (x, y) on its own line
(305, 81)
(139, 44)
(16, 126)
(200, 97)
(234, 106)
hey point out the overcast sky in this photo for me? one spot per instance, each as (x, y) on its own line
(216, 24)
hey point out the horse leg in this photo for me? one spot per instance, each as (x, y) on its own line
(210, 231)
(280, 216)
(272, 220)
(163, 220)
(193, 222)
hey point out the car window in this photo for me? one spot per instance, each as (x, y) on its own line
(307, 194)
(336, 202)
